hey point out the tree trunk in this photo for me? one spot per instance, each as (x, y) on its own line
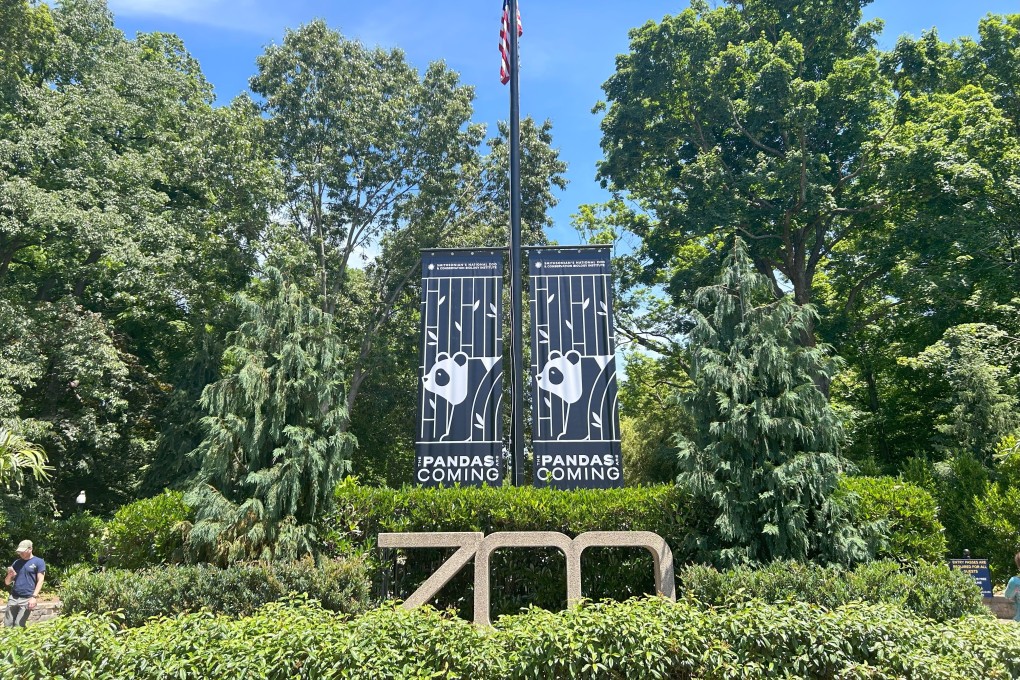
(875, 408)
(79, 286)
(802, 296)
(5, 264)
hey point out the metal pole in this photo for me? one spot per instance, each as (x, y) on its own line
(516, 287)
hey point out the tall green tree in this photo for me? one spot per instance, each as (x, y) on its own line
(651, 415)
(950, 263)
(363, 141)
(765, 458)
(880, 187)
(275, 445)
(972, 367)
(759, 117)
(129, 212)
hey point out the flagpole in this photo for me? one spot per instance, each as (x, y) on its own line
(516, 286)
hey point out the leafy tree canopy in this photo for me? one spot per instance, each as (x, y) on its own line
(764, 118)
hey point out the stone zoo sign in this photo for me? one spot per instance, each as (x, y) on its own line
(480, 546)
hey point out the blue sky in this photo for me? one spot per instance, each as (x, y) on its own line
(567, 52)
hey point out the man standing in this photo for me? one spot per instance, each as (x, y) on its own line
(27, 573)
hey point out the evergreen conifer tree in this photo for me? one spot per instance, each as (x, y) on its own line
(764, 460)
(275, 444)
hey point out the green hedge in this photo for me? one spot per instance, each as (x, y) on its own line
(905, 515)
(930, 590)
(647, 638)
(147, 532)
(339, 585)
(525, 577)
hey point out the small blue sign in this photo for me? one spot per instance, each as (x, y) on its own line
(978, 569)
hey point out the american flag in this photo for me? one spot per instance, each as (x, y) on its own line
(504, 41)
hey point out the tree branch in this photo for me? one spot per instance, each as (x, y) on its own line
(855, 292)
(754, 140)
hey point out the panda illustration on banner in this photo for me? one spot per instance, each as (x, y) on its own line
(581, 385)
(448, 381)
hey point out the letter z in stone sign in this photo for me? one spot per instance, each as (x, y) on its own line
(479, 546)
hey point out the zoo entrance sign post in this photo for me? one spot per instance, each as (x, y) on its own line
(480, 547)
(575, 426)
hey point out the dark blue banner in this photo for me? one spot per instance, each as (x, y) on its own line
(575, 426)
(460, 435)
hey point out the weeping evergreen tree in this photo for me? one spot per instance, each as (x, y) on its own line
(274, 446)
(764, 461)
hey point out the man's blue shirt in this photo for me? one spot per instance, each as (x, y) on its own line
(28, 575)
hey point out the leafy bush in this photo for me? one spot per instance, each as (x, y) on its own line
(906, 515)
(998, 515)
(930, 590)
(148, 532)
(75, 540)
(960, 482)
(68, 545)
(647, 638)
(997, 512)
(238, 590)
(525, 577)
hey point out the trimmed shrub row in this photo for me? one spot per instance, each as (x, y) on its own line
(151, 531)
(646, 638)
(239, 590)
(525, 577)
(933, 591)
(904, 515)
